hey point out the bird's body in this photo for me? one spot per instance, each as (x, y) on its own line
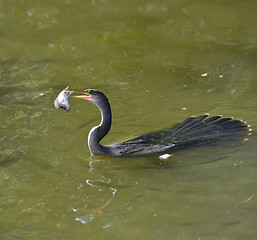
(193, 131)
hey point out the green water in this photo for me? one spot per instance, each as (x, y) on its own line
(158, 62)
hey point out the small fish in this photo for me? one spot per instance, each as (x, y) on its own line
(62, 100)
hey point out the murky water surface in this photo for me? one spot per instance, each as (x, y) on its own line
(158, 62)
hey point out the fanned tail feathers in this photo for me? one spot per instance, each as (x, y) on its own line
(203, 130)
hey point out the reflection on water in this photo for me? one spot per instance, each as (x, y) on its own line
(101, 185)
(158, 63)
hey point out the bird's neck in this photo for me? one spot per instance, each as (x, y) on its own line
(97, 133)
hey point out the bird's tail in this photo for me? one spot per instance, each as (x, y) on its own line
(201, 130)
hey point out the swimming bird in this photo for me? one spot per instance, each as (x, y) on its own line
(193, 131)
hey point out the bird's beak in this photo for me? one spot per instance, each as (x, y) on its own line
(85, 95)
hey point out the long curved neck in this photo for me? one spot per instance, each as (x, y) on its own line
(97, 133)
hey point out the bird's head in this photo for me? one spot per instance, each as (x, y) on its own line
(91, 95)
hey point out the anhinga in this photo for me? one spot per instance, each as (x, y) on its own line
(192, 131)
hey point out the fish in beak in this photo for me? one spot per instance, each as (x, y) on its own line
(62, 99)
